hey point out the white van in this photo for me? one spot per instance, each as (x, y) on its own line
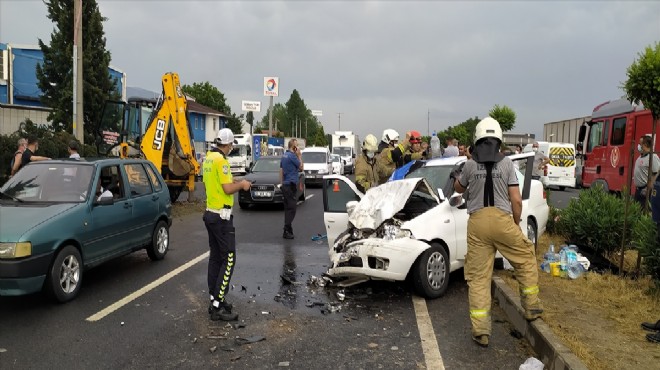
(317, 163)
(560, 172)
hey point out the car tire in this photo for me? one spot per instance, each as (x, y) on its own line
(160, 242)
(532, 232)
(430, 272)
(243, 205)
(67, 266)
(562, 188)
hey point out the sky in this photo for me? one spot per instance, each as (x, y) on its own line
(406, 65)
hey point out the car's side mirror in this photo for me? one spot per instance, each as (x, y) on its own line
(353, 155)
(105, 201)
(456, 200)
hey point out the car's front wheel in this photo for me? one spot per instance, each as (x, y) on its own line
(160, 242)
(430, 273)
(532, 232)
(65, 275)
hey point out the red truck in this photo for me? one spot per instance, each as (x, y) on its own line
(609, 140)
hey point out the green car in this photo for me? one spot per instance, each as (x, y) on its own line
(60, 217)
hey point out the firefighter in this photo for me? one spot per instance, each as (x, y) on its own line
(219, 223)
(366, 175)
(385, 165)
(415, 152)
(493, 196)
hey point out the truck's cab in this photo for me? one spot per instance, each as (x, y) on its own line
(240, 158)
(346, 145)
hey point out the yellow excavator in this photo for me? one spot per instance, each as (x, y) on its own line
(155, 129)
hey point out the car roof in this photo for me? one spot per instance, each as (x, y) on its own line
(270, 157)
(320, 149)
(92, 160)
(451, 161)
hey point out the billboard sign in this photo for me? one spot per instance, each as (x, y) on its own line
(251, 106)
(271, 86)
(317, 113)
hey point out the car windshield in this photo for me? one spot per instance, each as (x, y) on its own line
(50, 182)
(437, 176)
(314, 157)
(267, 165)
(342, 151)
(238, 150)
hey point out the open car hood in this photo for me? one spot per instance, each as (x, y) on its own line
(384, 201)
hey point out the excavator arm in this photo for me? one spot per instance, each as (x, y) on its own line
(167, 141)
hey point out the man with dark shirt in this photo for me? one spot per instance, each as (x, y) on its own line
(28, 154)
(290, 165)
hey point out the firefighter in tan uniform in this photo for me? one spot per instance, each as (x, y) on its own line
(494, 196)
(366, 176)
(385, 164)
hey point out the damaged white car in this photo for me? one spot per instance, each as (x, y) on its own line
(409, 229)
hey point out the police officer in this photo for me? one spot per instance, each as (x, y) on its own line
(385, 164)
(218, 220)
(493, 196)
(366, 175)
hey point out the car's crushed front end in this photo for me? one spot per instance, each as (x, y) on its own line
(377, 244)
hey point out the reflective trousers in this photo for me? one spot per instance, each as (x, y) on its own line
(222, 256)
(489, 230)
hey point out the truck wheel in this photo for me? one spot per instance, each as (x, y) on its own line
(160, 242)
(430, 272)
(65, 276)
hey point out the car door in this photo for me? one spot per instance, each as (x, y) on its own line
(337, 191)
(526, 162)
(110, 223)
(145, 202)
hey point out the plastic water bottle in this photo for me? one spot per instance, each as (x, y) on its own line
(563, 258)
(575, 270)
(550, 254)
(435, 146)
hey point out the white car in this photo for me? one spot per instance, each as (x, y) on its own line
(409, 228)
(337, 164)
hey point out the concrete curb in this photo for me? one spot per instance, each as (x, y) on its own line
(547, 346)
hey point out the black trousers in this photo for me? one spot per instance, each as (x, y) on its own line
(290, 202)
(222, 258)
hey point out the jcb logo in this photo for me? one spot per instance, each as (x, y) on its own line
(160, 133)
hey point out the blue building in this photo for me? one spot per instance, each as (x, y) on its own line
(19, 91)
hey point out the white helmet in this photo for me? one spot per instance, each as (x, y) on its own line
(370, 143)
(488, 127)
(390, 135)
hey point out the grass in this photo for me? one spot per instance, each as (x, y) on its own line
(598, 316)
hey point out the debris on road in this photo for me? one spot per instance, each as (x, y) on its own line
(235, 358)
(319, 281)
(394, 348)
(213, 349)
(283, 364)
(341, 295)
(288, 281)
(372, 345)
(249, 340)
(532, 363)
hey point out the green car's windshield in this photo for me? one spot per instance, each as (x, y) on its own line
(267, 165)
(50, 182)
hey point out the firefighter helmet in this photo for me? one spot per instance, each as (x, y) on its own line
(370, 143)
(390, 135)
(488, 127)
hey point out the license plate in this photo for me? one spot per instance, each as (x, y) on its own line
(311, 176)
(263, 194)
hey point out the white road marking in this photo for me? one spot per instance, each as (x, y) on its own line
(307, 197)
(427, 335)
(145, 289)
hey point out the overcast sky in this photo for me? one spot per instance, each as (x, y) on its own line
(382, 64)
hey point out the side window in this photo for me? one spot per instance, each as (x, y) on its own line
(606, 132)
(618, 131)
(110, 180)
(337, 194)
(595, 135)
(153, 178)
(138, 181)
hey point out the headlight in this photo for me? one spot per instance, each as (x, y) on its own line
(15, 250)
(350, 252)
(323, 172)
(391, 232)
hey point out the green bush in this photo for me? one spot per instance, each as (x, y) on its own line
(596, 219)
(553, 218)
(644, 236)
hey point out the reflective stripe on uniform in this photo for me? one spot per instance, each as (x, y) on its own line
(479, 313)
(225, 280)
(534, 289)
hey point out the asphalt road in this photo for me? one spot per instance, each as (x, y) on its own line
(378, 325)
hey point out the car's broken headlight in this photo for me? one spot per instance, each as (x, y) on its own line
(353, 251)
(391, 231)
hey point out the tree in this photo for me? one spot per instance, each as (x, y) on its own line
(504, 115)
(234, 123)
(207, 95)
(320, 138)
(55, 74)
(643, 84)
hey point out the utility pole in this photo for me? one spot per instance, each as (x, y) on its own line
(270, 117)
(339, 115)
(78, 130)
(428, 122)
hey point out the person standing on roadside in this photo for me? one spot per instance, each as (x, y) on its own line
(641, 172)
(73, 150)
(16, 159)
(28, 154)
(219, 222)
(451, 150)
(366, 174)
(540, 160)
(493, 196)
(290, 164)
